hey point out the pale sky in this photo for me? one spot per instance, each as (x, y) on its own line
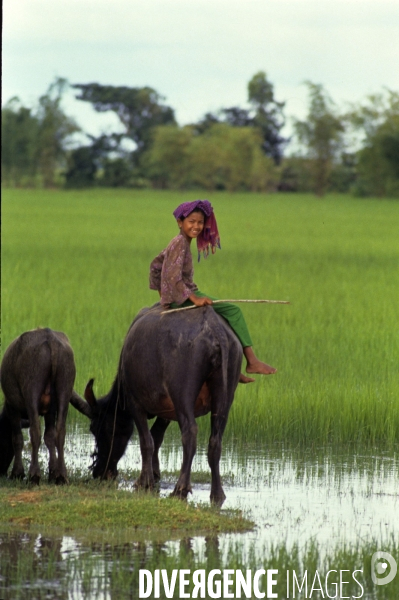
(200, 54)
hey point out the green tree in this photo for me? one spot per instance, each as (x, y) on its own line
(34, 140)
(55, 129)
(117, 172)
(167, 164)
(82, 168)
(139, 109)
(223, 157)
(377, 121)
(19, 132)
(268, 117)
(322, 136)
(265, 115)
(237, 159)
(100, 162)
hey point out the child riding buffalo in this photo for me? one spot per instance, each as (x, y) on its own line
(171, 274)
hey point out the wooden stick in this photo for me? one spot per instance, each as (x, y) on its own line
(166, 312)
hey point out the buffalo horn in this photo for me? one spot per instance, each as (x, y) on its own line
(89, 394)
(81, 405)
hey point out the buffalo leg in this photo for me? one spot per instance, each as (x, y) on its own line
(214, 452)
(189, 429)
(146, 478)
(17, 471)
(35, 436)
(63, 404)
(49, 440)
(222, 398)
(158, 432)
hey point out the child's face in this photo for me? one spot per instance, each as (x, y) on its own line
(192, 225)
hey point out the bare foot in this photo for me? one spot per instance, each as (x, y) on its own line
(244, 379)
(260, 368)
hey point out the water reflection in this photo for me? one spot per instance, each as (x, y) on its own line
(31, 566)
(38, 567)
(41, 567)
(300, 501)
(292, 495)
(298, 496)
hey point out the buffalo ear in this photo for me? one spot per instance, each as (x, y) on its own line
(81, 405)
(89, 394)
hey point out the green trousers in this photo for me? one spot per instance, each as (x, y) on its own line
(230, 312)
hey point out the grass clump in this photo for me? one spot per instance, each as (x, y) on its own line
(91, 506)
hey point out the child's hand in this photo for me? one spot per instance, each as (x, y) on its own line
(200, 301)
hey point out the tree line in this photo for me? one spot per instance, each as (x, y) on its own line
(234, 148)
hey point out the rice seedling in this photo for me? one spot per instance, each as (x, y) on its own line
(78, 262)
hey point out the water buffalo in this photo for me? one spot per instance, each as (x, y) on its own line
(176, 366)
(37, 377)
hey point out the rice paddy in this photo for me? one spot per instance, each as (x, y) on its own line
(78, 262)
(310, 454)
(315, 513)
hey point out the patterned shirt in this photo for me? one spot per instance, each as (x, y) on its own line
(171, 272)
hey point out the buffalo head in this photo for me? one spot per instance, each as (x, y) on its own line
(111, 428)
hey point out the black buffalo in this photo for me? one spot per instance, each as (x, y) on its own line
(175, 366)
(37, 377)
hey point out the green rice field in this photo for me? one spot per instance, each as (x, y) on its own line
(78, 261)
(310, 454)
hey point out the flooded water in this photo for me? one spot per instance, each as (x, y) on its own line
(320, 497)
(292, 496)
(325, 498)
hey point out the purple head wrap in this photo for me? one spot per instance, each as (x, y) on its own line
(209, 238)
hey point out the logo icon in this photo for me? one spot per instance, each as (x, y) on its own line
(383, 568)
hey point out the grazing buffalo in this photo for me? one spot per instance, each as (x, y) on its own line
(177, 367)
(37, 377)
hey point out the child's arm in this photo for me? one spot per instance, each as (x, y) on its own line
(155, 273)
(199, 301)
